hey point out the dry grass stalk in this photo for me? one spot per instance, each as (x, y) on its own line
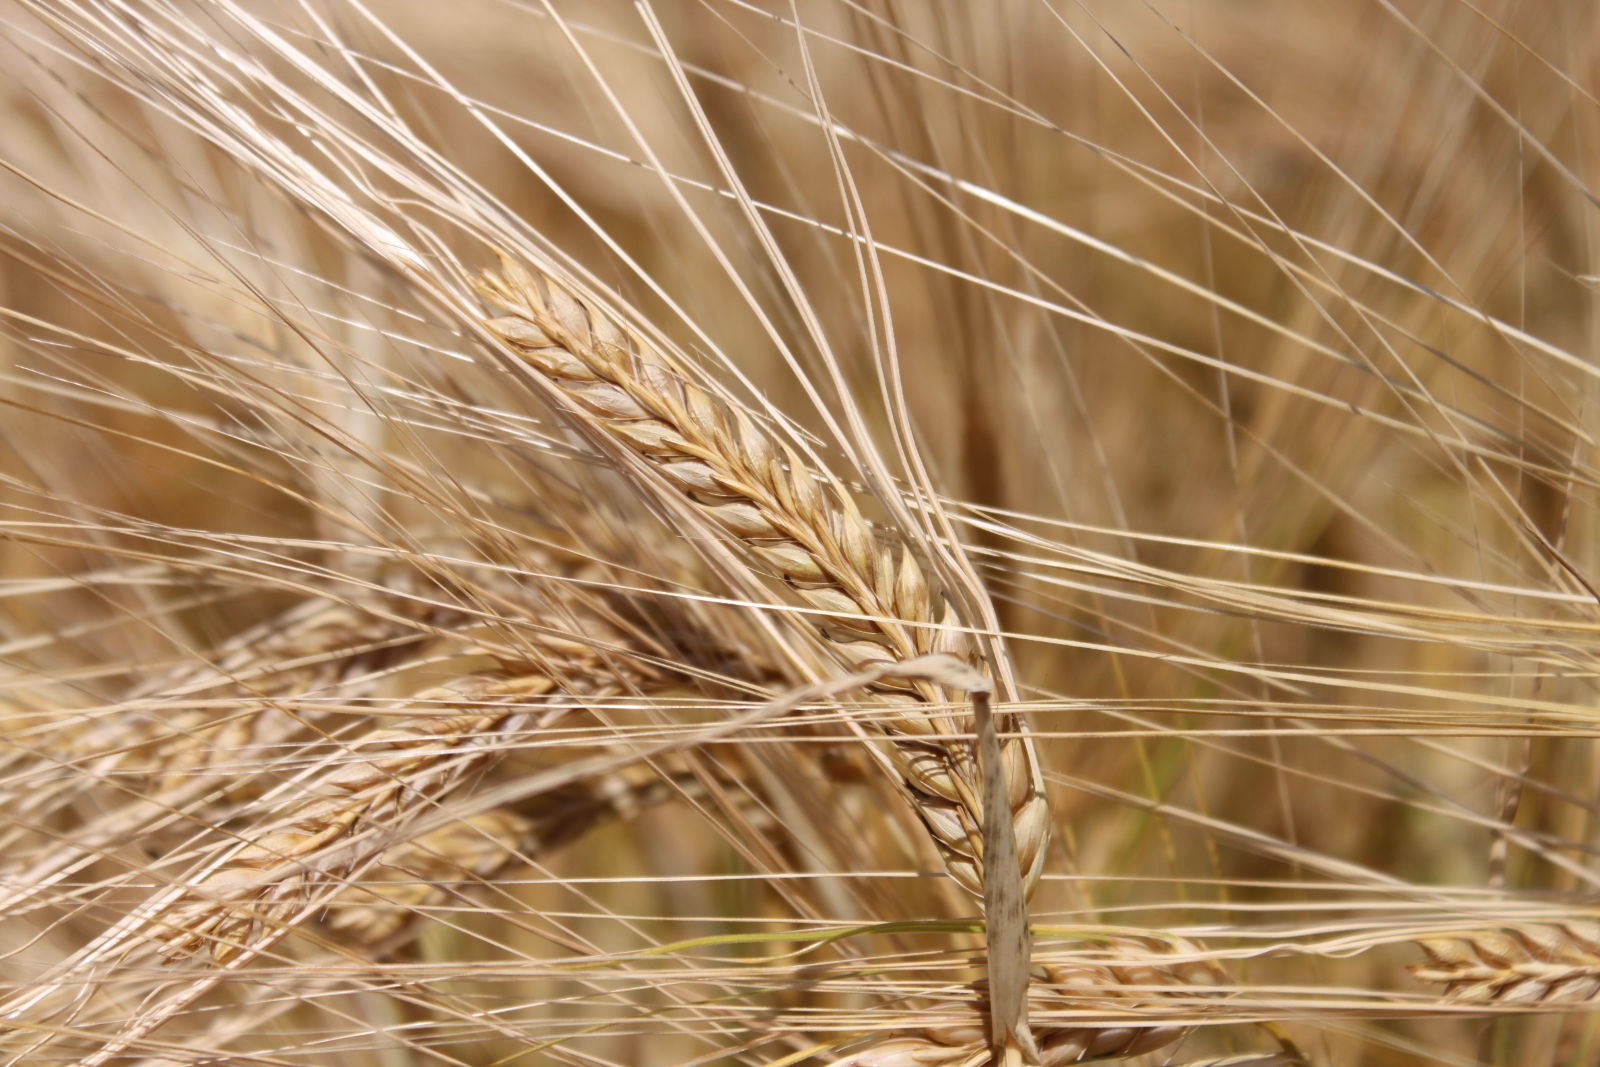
(797, 523)
(1249, 1059)
(1557, 963)
(1136, 978)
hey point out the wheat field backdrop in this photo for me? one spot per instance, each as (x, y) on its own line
(865, 533)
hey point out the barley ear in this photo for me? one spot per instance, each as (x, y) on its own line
(1558, 963)
(794, 522)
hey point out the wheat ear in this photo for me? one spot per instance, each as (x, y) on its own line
(1529, 964)
(395, 771)
(798, 524)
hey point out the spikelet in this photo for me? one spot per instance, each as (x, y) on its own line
(1557, 963)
